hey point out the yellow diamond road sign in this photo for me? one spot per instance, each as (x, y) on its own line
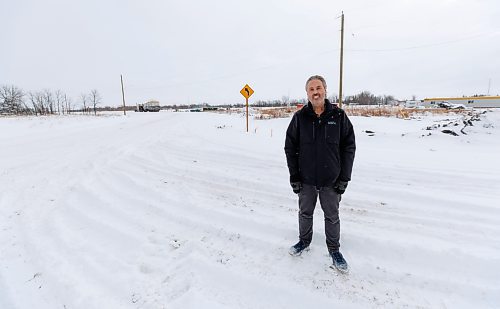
(246, 91)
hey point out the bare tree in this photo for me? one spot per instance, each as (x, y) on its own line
(12, 100)
(59, 101)
(285, 100)
(36, 99)
(48, 98)
(67, 104)
(388, 99)
(95, 98)
(83, 97)
(366, 98)
(333, 98)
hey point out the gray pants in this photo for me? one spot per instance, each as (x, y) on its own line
(329, 200)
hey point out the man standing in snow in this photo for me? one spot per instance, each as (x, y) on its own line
(320, 147)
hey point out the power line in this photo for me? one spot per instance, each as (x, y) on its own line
(287, 60)
(425, 45)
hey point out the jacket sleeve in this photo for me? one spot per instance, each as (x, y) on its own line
(347, 149)
(292, 142)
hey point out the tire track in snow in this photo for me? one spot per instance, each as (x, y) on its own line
(135, 223)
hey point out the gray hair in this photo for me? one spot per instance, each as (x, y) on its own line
(317, 77)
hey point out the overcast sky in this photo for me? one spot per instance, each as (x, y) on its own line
(181, 52)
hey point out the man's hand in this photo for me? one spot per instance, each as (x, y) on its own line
(295, 183)
(340, 186)
(296, 186)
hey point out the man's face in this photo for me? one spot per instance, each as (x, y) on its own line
(316, 93)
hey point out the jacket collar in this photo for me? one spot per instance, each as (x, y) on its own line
(329, 108)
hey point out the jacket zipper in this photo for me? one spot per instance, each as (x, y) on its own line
(315, 154)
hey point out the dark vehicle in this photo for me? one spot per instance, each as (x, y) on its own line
(449, 105)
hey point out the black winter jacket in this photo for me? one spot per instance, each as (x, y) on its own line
(320, 150)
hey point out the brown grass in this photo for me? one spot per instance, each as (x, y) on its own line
(364, 111)
(279, 112)
(395, 111)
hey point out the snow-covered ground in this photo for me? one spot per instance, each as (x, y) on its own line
(187, 210)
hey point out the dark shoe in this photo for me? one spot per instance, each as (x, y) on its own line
(298, 248)
(339, 262)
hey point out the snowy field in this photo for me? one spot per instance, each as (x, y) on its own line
(187, 210)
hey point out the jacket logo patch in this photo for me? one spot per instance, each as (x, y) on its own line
(332, 122)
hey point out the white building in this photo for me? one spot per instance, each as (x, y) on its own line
(483, 101)
(414, 103)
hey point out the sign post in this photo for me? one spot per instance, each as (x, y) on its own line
(247, 91)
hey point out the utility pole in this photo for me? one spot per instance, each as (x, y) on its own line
(123, 96)
(341, 59)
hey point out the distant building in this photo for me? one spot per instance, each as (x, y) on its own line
(478, 101)
(149, 106)
(413, 103)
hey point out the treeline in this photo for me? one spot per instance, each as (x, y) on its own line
(367, 98)
(362, 98)
(15, 101)
(194, 106)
